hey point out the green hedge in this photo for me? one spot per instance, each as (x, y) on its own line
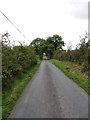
(16, 61)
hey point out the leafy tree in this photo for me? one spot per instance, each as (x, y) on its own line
(50, 50)
(56, 40)
(48, 46)
(58, 43)
(39, 46)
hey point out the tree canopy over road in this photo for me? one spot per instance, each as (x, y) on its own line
(49, 46)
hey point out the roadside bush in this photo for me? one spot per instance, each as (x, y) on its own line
(16, 61)
(80, 56)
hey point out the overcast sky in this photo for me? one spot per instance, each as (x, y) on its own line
(43, 18)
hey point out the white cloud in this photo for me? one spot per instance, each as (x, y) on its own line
(79, 8)
(42, 18)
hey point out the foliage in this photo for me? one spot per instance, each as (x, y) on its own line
(79, 55)
(15, 61)
(39, 46)
(47, 46)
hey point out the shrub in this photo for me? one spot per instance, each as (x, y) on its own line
(15, 61)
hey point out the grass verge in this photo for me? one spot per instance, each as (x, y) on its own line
(9, 97)
(72, 72)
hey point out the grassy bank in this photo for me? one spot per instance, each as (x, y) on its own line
(9, 97)
(73, 73)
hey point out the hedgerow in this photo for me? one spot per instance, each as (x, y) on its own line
(16, 60)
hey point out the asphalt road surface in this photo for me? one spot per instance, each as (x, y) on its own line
(50, 94)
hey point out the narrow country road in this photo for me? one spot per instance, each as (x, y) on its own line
(50, 94)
